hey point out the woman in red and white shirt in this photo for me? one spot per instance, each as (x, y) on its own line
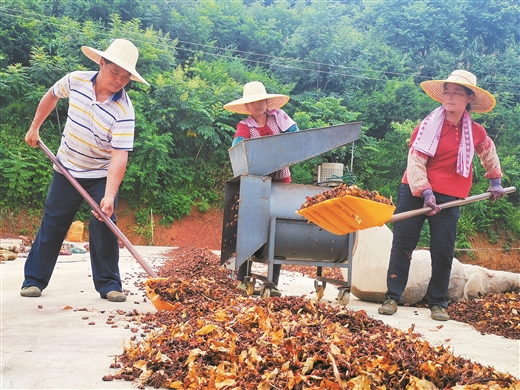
(264, 118)
(439, 170)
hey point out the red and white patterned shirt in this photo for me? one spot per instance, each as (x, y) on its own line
(439, 172)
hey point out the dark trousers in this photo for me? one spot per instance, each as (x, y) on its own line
(61, 206)
(443, 232)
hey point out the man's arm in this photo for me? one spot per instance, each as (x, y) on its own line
(46, 105)
(116, 172)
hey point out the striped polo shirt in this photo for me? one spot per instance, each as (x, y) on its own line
(93, 129)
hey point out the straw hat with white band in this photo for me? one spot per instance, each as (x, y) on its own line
(253, 92)
(483, 100)
(122, 53)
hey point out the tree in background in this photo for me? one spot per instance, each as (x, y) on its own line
(340, 61)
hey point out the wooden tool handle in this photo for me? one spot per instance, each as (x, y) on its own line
(453, 203)
(97, 209)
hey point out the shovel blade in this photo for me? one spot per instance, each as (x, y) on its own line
(157, 301)
(348, 214)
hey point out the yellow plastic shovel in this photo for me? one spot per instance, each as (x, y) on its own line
(348, 214)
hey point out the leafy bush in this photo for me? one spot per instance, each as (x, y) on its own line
(357, 67)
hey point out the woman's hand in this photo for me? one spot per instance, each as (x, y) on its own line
(430, 201)
(495, 187)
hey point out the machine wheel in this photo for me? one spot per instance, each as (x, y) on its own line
(265, 292)
(343, 297)
(320, 291)
(250, 288)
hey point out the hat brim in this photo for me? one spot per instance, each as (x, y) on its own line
(273, 101)
(96, 55)
(483, 101)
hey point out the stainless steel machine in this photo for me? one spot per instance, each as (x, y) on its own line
(260, 221)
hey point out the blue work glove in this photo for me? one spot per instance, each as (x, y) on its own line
(430, 201)
(495, 187)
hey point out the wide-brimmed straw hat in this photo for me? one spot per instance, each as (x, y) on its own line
(483, 100)
(121, 52)
(253, 92)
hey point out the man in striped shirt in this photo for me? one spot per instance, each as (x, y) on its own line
(97, 137)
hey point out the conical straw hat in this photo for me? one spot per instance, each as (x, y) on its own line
(253, 92)
(121, 52)
(483, 101)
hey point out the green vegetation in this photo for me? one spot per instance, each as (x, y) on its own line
(340, 61)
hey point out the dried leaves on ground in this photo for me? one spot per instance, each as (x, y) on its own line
(215, 337)
(497, 314)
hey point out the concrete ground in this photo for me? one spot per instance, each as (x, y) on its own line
(62, 340)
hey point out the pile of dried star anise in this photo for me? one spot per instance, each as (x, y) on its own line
(216, 337)
(494, 313)
(345, 190)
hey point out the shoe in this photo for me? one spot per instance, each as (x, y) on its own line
(388, 308)
(116, 296)
(275, 292)
(243, 287)
(30, 291)
(439, 313)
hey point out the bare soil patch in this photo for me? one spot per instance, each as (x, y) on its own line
(496, 256)
(200, 229)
